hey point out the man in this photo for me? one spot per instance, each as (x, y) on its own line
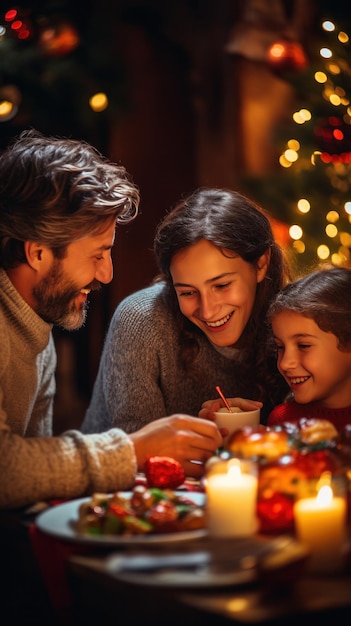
(60, 201)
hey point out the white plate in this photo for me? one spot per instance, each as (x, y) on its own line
(60, 520)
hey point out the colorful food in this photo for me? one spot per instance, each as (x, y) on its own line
(142, 511)
(164, 472)
(258, 441)
(316, 430)
(280, 482)
(290, 458)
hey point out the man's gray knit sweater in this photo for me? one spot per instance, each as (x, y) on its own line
(140, 377)
(33, 464)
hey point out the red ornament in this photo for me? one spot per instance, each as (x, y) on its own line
(286, 56)
(275, 513)
(333, 136)
(58, 39)
(164, 472)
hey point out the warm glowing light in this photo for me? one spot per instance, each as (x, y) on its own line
(338, 134)
(321, 77)
(10, 98)
(291, 155)
(293, 144)
(345, 239)
(304, 115)
(323, 252)
(336, 259)
(343, 37)
(277, 50)
(328, 25)
(344, 254)
(326, 53)
(333, 68)
(332, 216)
(324, 496)
(236, 605)
(315, 154)
(234, 469)
(298, 119)
(5, 108)
(299, 246)
(284, 162)
(303, 205)
(340, 91)
(334, 99)
(98, 102)
(331, 230)
(295, 232)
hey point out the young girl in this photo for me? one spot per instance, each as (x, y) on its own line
(201, 324)
(311, 324)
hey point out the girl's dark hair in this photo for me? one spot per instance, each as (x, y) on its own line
(232, 222)
(324, 296)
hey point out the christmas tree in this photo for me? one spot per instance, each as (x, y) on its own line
(58, 71)
(310, 190)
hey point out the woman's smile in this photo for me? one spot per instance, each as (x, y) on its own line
(219, 324)
(211, 285)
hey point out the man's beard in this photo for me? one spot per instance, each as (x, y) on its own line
(55, 300)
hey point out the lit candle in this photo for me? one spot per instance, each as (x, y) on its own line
(231, 502)
(321, 525)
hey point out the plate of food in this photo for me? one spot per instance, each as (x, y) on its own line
(143, 516)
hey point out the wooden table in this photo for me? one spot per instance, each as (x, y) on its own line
(97, 595)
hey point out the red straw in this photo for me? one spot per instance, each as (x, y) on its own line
(219, 390)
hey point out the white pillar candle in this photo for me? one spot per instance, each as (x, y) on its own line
(321, 524)
(231, 502)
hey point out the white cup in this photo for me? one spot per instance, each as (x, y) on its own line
(235, 419)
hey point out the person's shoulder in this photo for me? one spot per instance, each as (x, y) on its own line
(146, 308)
(146, 299)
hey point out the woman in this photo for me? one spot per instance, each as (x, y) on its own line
(200, 324)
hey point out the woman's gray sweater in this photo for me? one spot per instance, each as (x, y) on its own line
(140, 377)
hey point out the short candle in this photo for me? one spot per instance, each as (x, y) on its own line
(231, 502)
(321, 525)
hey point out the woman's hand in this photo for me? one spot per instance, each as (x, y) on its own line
(189, 440)
(210, 407)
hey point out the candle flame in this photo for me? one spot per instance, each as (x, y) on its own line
(324, 479)
(234, 468)
(324, 495)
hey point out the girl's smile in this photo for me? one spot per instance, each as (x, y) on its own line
(311, 361)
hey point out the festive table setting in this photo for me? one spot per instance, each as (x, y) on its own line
(269, 519)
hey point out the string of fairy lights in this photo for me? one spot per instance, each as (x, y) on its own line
(334, 133)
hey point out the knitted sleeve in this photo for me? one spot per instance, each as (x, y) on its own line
(41, 468)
